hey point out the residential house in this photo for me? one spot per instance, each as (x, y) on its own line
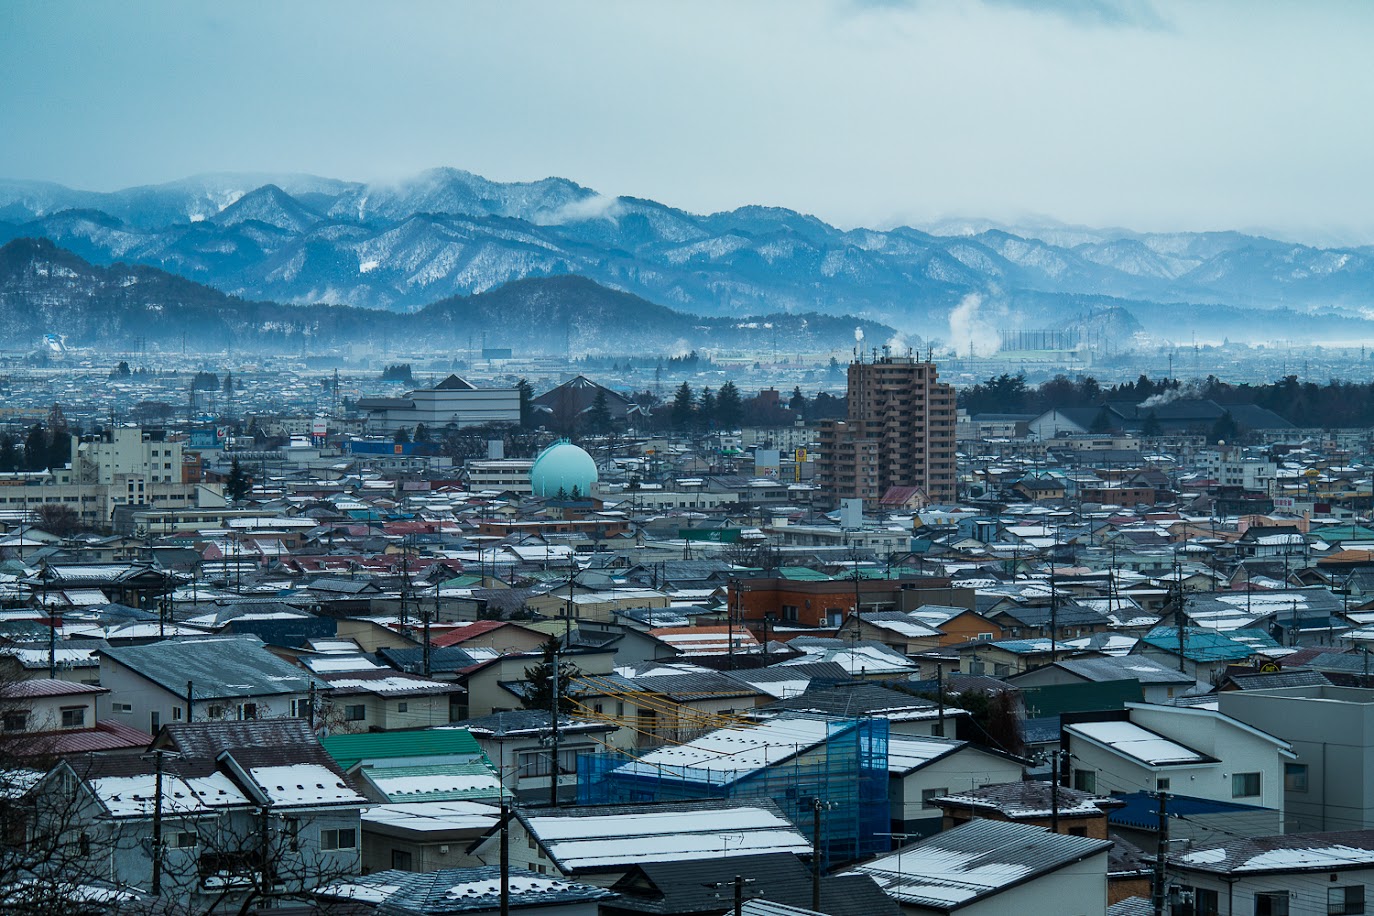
(1329, 785)
(991, 868)
(213, 678)
(519, 744)
(423, 836)
(1159, 683)
(1190, 750)
(466, 891)
(924, 770)
(694, 887)
(1296, 874)
(599, 844)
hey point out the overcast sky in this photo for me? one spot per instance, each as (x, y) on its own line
(1153, 115)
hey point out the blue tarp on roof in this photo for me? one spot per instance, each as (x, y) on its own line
(1142, 809)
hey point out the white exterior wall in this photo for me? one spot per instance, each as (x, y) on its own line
(386, 714)
(959, 772)
(1307, 891)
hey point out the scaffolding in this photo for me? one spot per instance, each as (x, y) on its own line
(845, 774)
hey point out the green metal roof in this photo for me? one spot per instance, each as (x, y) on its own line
(438, 782)
(350, 750)
(803, 574)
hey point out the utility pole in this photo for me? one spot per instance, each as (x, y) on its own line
(940, 698)
(158, 756)
(1056, 765)
(816, 856)
(505, 856)
(1158, 888)
(427, 617)
(553, 742)
(190, 700)
(1054, 615)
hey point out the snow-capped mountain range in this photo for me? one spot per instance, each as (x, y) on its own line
(303, 239)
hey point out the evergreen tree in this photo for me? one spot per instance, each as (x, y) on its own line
(598, 417)
(9, 453)
(798, 403)
(706, 409)
(1151, 429)
(1102, 423)
(729, 409)
(540, 694)
(402, 435)
(684, 406)
(421, 433)
(526, 403)
(1225, 429)
(238, 484)
(36, 448)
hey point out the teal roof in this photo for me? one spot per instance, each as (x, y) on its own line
(437, 782)
(802, 574)
(350, 750)
(1211, 645)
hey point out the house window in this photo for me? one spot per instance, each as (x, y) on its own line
(176, 713)
(400, 859)
(789, 612)
(16, 721)
(356, 713)
(248, 711)
(1345, 900)
(214, 712)
(73, 716)
(1162, 784)
(123, 707)
(184, 839)
(1245, 785)
(928, 796)
(1271, 904)
(339, 839)
(300, 709)
(1085, 780)
(1295, 777)
(402, 707)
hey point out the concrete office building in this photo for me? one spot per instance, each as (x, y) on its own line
(451, 401)
(899, 432)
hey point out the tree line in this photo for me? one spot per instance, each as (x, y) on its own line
(1336, 403)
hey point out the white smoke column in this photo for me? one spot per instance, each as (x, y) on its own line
(858, 335)
(1165, 397)
(969, 330)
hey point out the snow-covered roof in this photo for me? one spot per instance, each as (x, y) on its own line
(1131, 740)
(304, 785)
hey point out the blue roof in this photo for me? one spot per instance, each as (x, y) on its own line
(1141, 809)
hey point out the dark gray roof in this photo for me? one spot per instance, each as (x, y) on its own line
(1029, 798)
(974, 857)
(853, 699)
(1267, 681)
(216, 667)
(526, 721)
(1130, 667)
(1132, 906)
(210, 739)
(694, 686)
(458, 890)
(692, 886)
(1321, 852)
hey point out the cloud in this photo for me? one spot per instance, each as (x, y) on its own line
(598, 206)
(1137, 14)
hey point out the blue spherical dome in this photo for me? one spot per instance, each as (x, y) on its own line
(563, 466)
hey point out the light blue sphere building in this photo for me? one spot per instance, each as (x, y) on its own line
(562, 466)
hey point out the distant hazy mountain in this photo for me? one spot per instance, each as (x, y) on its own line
(45, 289)
(303, 239)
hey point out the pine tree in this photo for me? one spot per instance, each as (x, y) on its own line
(526, 403)
(36, 448)
(729, 409)
(706, 409)
(421, 433)
(238, 484)
(539, 677)
(684, 406)
(402, 435)
(598, 418)
(798, 402)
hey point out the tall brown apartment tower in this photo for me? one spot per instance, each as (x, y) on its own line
(899, 433)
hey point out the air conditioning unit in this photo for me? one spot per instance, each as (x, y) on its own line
(443, 850)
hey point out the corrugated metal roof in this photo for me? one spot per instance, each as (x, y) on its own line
(350, 750)
(216, 666)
